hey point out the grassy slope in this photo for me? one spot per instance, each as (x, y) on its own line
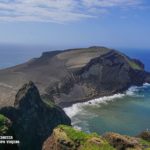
(92, 141)
(134, 65)
(131, 63)
(86, 141)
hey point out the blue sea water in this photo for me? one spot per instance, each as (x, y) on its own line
(11, 55)
(126, 113)
(141, 54)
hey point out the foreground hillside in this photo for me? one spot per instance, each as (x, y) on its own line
(40, 124)
(67, 138)
(32, 119)
(74, 75)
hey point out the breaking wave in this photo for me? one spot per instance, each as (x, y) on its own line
(134, 90)
(77, 108)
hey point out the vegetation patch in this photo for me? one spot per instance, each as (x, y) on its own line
(47, 101)
(77, 135)
(104, 145)
(145, 143)
(86, 141)
(3, 125)
(134, 65)
(131, 63)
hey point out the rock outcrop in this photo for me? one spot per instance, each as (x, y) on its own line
(33, 119)
(67, 138)
(104, 75)
(74, 75)
(121, 142)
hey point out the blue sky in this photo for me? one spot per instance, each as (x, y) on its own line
(76, 23)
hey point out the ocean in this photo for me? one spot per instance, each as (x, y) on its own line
(11, 55)
(125, 113)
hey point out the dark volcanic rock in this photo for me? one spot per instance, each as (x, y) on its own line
(104, 75)
(67, 138)
(33, 120)
(147, 79)
(121, 142)
(74, 75)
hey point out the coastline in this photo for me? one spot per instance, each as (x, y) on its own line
(123, 113)
(69, 104)
(72, 110)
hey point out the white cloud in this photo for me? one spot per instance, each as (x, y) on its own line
(58, 10)
(111, 3)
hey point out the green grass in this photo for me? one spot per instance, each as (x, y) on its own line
(134, 65)
(144, 143)
(2, 119)
(48, 102)
(3, 127)
(84, 139)
(96, 147)
(76, 135)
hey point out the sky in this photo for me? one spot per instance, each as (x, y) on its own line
(76, 23)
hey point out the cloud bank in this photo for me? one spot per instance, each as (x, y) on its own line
(59, 11)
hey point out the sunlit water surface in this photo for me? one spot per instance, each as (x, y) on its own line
(126, 113)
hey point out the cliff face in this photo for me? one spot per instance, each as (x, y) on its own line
(67, 138)
(74, 75)
(104, 75)
(32, 119)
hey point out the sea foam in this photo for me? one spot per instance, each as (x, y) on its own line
(77, 108)
(133, 90)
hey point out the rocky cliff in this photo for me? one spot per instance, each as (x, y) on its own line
(67, 138)
(104, 75)
(33, 118)
(74, 75)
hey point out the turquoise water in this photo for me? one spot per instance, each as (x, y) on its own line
(126, 113)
